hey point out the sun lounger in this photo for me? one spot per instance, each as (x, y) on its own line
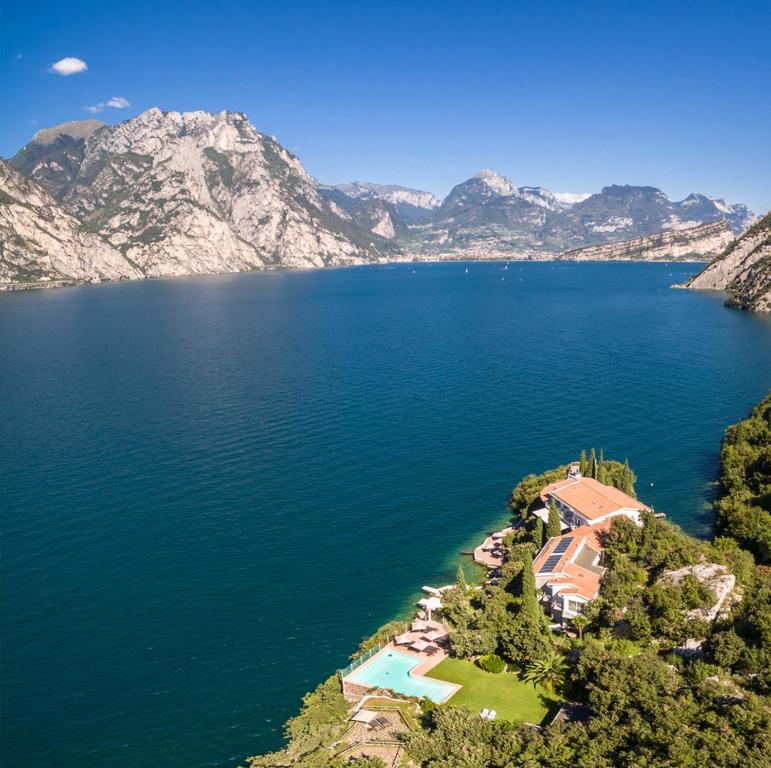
(484, 713)
(378, 723)
(492, 715)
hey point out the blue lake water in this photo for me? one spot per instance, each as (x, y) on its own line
(213, 488)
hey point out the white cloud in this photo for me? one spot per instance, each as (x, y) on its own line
(115, 102)
(68, 66)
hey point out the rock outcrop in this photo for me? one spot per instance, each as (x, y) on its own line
(41, 243)
(701, 242)
(743, 269)
(716, 578)
(192, 193)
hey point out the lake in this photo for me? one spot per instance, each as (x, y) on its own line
(213, 488)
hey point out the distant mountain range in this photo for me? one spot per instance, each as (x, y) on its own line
(166, 193)
(488, 216)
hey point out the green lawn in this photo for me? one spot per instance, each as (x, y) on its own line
(505, 693)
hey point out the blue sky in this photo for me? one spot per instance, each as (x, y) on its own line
(568, 95)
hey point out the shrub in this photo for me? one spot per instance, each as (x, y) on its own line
(491, 662)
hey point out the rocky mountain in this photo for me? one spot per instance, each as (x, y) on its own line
(743, 268)
(488, 216)
(41, 242)
(412, 206)
(178, 194)
(703, 240)
(195, 193)
(54, 156)
(702, 208)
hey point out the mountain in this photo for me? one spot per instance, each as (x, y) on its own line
(412, 206)
(621, 212)
(743, 268)
(195, 193)
(54, 156)
(41, 242)
(703, 240)
(702, 208)
(488, 216)
(183, 193)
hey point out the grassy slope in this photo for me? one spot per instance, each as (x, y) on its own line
(511, 698)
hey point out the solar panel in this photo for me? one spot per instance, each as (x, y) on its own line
(562, 545)
(551, 561)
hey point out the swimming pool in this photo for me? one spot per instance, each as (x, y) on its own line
(392, 669)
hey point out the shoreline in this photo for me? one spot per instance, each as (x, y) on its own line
(39, 285)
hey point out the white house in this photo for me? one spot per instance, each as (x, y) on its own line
(584, 501)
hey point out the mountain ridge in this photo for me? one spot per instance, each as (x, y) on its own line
(195, 192)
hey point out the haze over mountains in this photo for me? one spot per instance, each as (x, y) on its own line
(166, 193)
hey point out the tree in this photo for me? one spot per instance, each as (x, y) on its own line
(539, 532)
(580, 623)
(592, 468)
(460, 579)
(529, 599)
(553, 527)
(600, 476)
(627, 481)
(548, 672)
(583, 465)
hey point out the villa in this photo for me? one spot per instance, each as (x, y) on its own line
(568, 570)
(584, 501)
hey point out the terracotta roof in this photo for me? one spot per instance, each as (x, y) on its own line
(576, 578)
(590, 498)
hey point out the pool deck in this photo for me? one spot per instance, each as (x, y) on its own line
(426, 662)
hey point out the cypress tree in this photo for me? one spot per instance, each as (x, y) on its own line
(538, 533)
(592, 464)
(601, 468)
(460, 579)
(529, 598)
(627, 482)
(553, 527)
(582, 463)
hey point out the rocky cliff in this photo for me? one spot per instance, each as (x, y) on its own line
(743, 268)
(41, 242)
(182, 193)
(196, 193)
(704, 241)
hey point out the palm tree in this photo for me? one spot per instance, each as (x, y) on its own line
(548, 672)
(580, 622)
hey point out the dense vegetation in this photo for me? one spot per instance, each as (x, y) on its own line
(743, 510)
(660, 683)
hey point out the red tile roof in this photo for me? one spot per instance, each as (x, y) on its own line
(575, 578)
(590, 498)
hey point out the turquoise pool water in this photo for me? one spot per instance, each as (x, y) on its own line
(392, 670)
